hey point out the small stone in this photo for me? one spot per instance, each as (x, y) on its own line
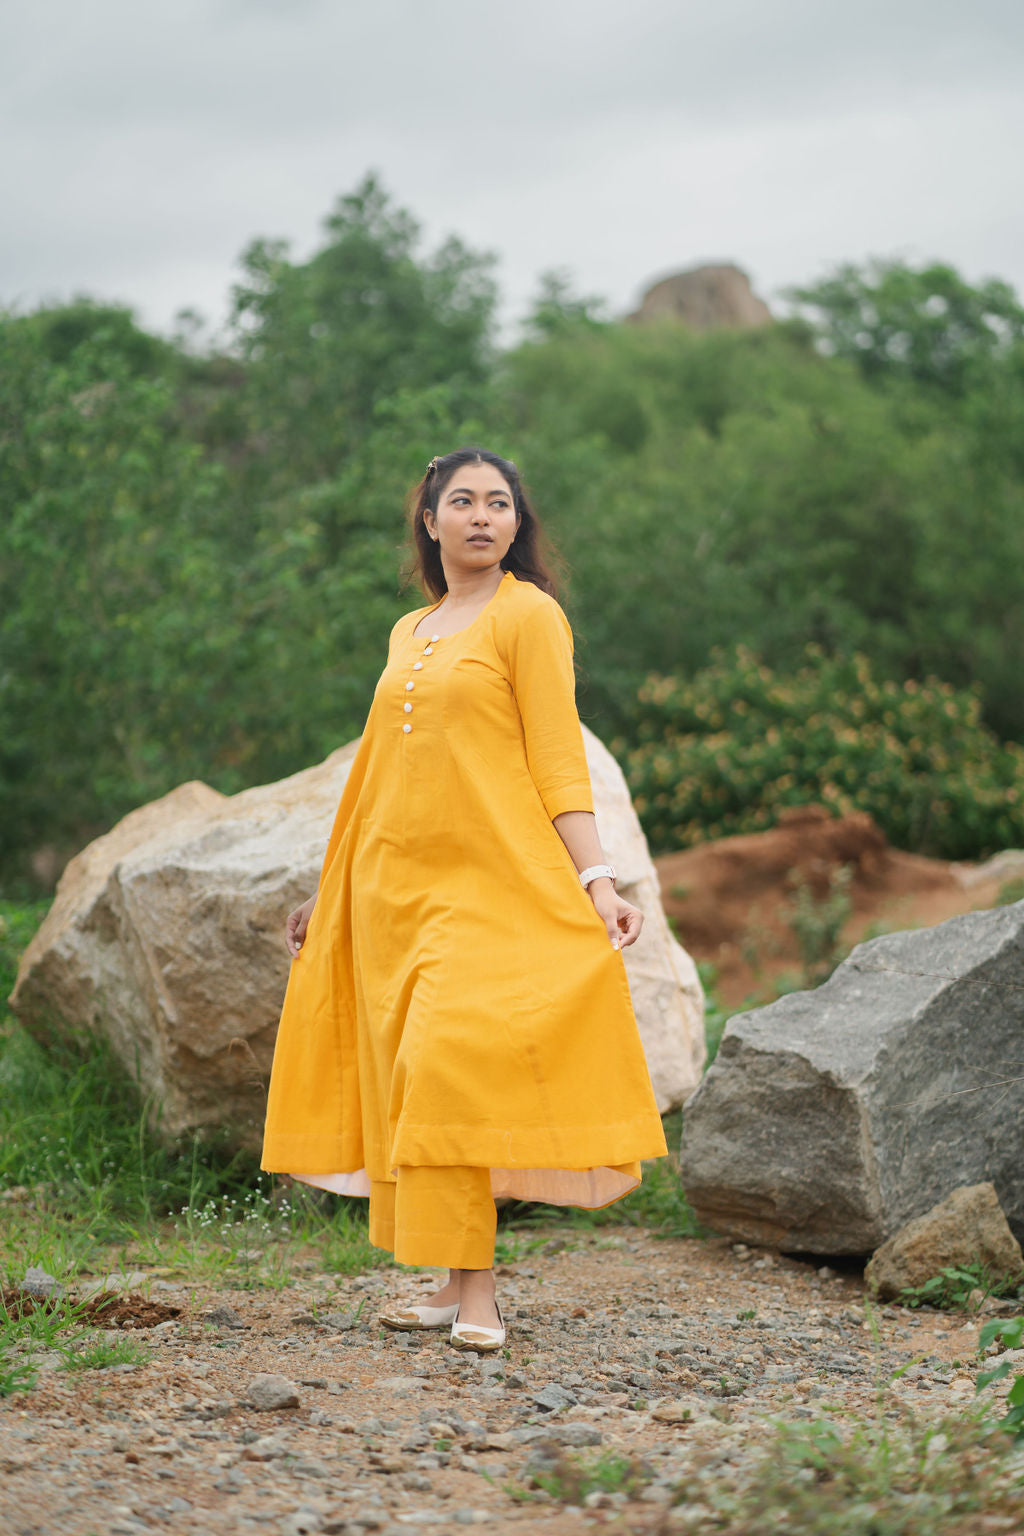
(576, 1435)
(302, 1522)
(224, 1317)
(269, 1390)
(266, 1448)
(39, 1282)
(672, 1413)
(553, 1398)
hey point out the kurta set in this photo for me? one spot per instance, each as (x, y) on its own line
(457, 1026)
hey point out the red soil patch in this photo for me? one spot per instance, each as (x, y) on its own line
(109, 1309)
(732, 900)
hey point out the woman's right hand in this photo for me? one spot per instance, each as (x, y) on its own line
(295, 927)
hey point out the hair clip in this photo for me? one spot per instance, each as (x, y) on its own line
(432, 465)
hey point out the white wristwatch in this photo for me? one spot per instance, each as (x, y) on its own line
(595, 872)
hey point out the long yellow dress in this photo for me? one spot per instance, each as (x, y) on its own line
(456, 1000)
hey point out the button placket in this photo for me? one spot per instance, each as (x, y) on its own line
(417, 666)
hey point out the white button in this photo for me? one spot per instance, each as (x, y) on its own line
(407, 708)
(407, 727)
(417, 666)
(409, 687)
(433, 638)
(428, 652)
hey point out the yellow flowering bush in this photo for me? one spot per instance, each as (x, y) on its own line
(726, 750)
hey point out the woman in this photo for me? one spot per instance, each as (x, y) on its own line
(457, 1025)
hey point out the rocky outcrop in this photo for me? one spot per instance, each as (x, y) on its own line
(965, 1229)
(832, 1118)
(704, 298)
(167, 936)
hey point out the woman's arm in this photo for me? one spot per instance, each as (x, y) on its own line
(578, 831)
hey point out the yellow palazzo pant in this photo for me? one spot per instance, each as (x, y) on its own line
(435, 1216)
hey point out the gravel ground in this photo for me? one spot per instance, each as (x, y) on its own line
(667, 1350)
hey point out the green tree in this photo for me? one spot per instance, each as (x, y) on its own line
(327, 340)
(927, 325)
(107, 557)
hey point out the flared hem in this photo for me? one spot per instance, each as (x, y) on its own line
(589, 1188)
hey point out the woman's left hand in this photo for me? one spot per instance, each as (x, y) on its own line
(622, 920)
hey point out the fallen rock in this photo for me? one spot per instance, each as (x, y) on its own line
(832, 1118)
(966, 1228)
(167, 936)
(268, 1391)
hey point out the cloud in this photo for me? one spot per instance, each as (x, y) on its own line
(151, 143)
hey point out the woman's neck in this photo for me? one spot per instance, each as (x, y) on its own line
(465, 590)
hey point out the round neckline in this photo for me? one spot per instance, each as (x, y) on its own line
(436, 639)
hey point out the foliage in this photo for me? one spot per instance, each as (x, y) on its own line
(200, 551)
(362, 322)
(929, 326)
(957, 1288)
(725, 751)
(571, 1478)
(817, 924)
(108, 690)
(716, 1014)
(874, 1476)
(739, 488)
(1009, 1332)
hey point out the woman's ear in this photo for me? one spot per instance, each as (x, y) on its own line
(430, 524)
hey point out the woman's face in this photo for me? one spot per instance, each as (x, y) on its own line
(476, 519)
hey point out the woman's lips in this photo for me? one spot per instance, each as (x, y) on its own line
(480, 538)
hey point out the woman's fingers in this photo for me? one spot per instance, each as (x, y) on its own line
(295, 931)
(630, 923)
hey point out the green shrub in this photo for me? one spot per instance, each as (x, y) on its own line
(727, 750)
(1009, 1332)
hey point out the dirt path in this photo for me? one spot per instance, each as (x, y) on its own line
(612, 1337)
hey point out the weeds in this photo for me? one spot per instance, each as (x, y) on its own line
(98, 1351)
(571, 1478)
(957, 1289)
(874, 1479)
(1009, 1333)
(817, 924)
(31, 1325)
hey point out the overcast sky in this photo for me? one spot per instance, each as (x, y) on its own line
(146, 142)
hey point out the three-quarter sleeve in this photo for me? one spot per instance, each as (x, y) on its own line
(539, 656)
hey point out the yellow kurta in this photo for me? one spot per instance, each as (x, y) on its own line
(456, 999)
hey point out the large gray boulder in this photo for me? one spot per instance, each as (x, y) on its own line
(832, 1118)
(167, 936)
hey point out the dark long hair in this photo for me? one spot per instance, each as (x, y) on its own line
(529, 556)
